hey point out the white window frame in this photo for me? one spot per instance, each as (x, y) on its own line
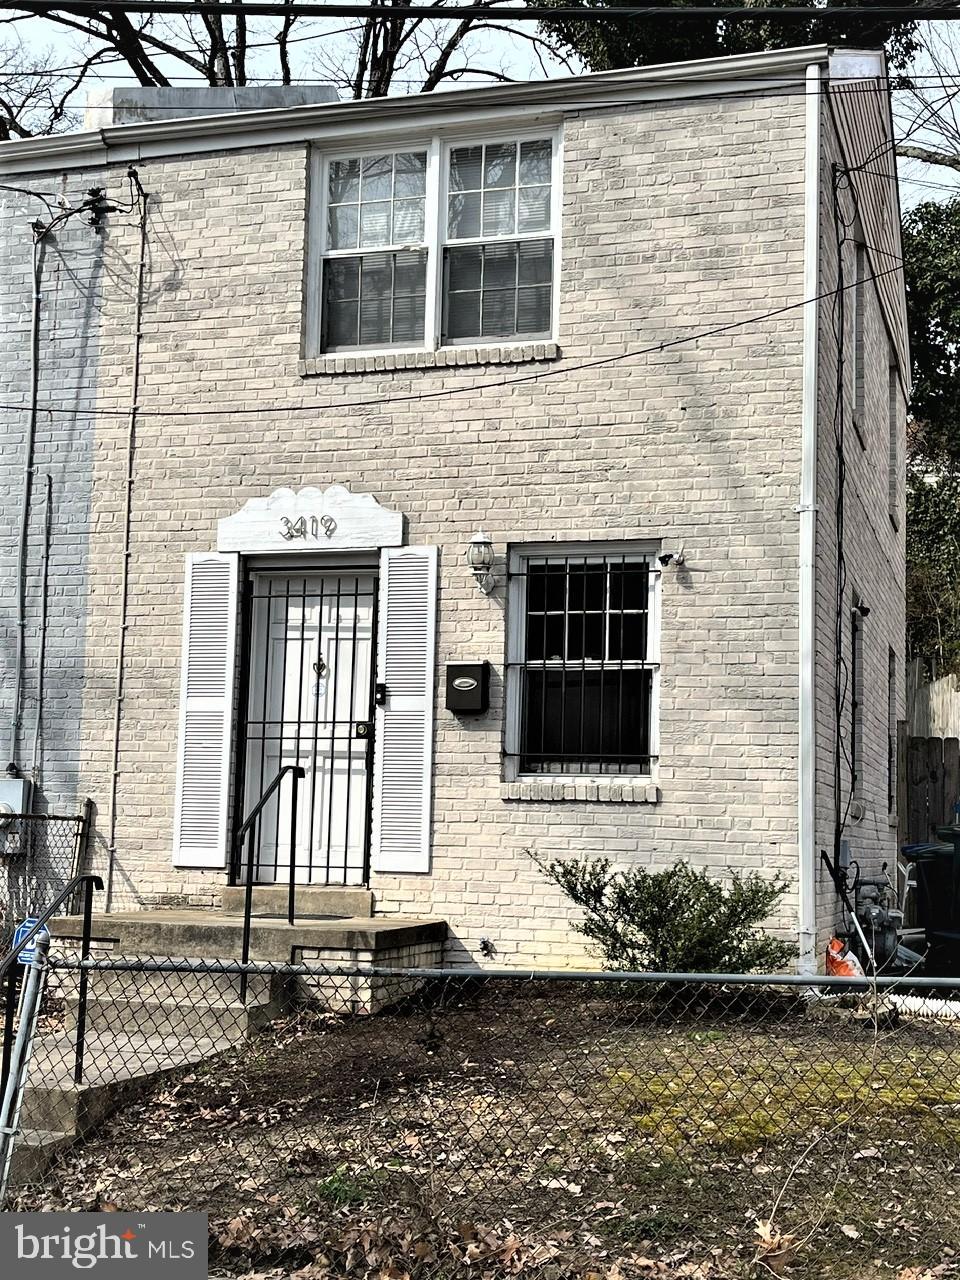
(517, 554)
(438, 148)
(444, 241)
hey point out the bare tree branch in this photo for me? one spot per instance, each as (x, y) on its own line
(929, 156)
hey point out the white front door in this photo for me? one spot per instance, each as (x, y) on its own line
(310, 702)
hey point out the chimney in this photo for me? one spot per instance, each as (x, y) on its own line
(130, 105)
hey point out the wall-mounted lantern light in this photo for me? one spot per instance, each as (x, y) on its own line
(480, 560)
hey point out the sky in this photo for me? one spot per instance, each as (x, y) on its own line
(329, 48)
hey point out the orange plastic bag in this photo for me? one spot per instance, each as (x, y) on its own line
(841, 962)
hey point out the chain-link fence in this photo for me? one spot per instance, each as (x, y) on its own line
(39, 855)
(420, 1124)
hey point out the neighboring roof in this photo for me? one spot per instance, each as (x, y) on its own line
(529, 100)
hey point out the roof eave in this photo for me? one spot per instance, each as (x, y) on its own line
(238, 128)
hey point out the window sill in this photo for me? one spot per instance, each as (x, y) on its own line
(444, 357)
(608, 790)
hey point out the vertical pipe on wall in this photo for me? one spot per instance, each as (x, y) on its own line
(42, 654)
(125, 553)
(807, 510)
(16, 713)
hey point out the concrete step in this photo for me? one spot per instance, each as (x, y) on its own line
(148, 984)
(187, 1019)
(321, 902)
(33, 1153)
(117, 1068)
(217, 935)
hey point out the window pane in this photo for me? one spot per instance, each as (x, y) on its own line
(500, 165)
(629, 584)
(536, 587)
(464, 268)
(466, 168)
(408, 319)
(533, 310)
(535, 162)
(377, 180)
(342, 279)
(504, 310)
(375, 224)
(392, 290)
(585, 721)
(587, 586)
(376, 299)
(462, 316)
(498, 313)
(411, 174)
(536, 261)
(628, 637)
(343, 223)
(407, 221)
(410, 272)
(463, 216)
(500, 266)
(534, 210)
(499, 212)
(344, 181)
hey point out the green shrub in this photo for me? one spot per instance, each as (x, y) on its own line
(674, 921)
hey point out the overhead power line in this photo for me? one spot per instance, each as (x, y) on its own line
(513, 13)
(563, 369)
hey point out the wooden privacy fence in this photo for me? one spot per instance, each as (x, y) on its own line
(931, 772)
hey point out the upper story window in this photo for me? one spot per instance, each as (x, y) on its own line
(375, 268)
(498, 259)
(442, 244)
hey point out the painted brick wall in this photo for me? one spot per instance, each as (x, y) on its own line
(873, 546)
(73, 266)
(677, 218)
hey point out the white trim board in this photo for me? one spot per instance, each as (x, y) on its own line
(512, 105)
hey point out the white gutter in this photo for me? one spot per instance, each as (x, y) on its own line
(773, 71)
(807, 509)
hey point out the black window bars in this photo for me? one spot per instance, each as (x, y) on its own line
(584, 669)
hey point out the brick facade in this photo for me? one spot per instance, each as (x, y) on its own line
(679, 215)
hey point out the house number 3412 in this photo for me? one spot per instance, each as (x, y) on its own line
(302, 528)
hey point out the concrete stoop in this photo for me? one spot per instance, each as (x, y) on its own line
(142, 1026)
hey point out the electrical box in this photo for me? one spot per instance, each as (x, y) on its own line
(13, 795)
(468, 687)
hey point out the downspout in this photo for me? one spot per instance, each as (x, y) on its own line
(807, 510)
(29, 445)
(132, 415)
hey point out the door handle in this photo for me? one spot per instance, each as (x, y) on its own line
(362, 729)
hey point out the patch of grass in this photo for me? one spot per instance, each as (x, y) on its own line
(345, 1187)
(737, 1102)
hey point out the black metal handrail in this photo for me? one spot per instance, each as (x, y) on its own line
(88, 883)
(246, 832)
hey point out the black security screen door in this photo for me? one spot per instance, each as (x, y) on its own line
(309, 701)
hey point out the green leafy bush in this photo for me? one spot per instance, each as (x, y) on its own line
(674, 921)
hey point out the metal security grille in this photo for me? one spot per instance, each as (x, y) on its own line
(309, 669)
(39, 855)
(584, 675)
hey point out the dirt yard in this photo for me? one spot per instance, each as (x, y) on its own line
(556, 1132)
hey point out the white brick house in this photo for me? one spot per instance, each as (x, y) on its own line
(568, 315)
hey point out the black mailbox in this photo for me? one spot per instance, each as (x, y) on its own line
(468, 687)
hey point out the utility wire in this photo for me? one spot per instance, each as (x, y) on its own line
(420, 396)
(513, 13)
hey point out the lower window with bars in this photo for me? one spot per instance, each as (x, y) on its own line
(582, 668)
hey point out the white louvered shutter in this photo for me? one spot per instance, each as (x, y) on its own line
(206, 711)
(403, 758)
